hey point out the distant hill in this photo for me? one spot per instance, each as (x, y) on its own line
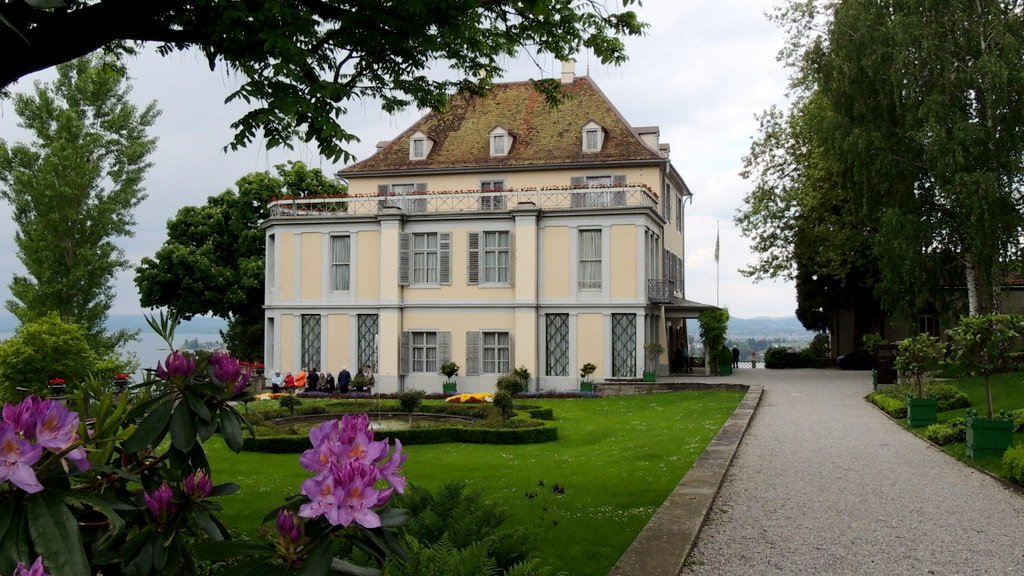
(197, 325)
(777, 328)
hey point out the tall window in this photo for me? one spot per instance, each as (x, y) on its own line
(623, 345)
(425, 258)
(497, 354)
(310, 345)
(495, 254)
(341, 255)
(407, 196)
(606, 191)
(272, 261)
(424, 352)
(367, 344)
(556, 347)
(590, 260)
(679, 212)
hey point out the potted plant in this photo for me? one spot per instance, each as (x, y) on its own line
(724, 361)
(982, 346)
(918, 357)
(450, 370)
(359, 382)
(585, 383)
(654, 351)
(523, 373)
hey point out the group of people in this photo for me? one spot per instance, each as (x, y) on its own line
(315, 380)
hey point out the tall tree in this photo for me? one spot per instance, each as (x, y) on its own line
(73, 190)
(916, 107)
(302, 61)
(213, 259)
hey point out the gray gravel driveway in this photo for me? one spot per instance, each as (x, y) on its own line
(825, 484)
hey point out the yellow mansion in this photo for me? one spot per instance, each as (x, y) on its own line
(502, 233)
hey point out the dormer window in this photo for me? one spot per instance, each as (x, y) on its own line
(593, 137)
(419, 146)
(501, 141)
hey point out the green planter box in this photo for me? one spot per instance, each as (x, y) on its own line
(921, 412)
(448, 388)
(988, 437)
(586, 386)
(650, 376)
(725, 369)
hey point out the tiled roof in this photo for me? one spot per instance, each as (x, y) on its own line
(543, 135)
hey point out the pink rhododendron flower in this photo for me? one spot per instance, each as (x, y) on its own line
(288, 526)
(177, 366)
(35, 570)
(348, 464)
(17, 455)
(228, 371)
(198, 485)
(22, 416)
(159, 501)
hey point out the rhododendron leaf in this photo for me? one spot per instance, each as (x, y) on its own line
(152, 428)
(206, 429)
(183, 429)
(319, 559)
(195, 402)
(55, 534)
(14, 539)
(231, 430)
(225, 490)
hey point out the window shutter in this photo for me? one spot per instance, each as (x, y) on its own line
(473, 340)
(403, 258)
(383, 189)
(512, 354)
(619, 197)
(444, 348)
(405, 353)
(444, 257)
(473, 269)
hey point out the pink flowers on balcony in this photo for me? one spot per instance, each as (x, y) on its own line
(27, 430)
(349, 465)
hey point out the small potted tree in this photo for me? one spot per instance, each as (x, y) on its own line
(654, 351)
(918, 357)
(982, 346)
(450, 370)
(410, 401)
(586, 385)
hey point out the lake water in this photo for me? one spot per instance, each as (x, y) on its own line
(150, 348)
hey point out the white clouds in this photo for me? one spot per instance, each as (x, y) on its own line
(701, 74)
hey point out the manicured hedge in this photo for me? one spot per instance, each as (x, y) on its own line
(527, 431)
(892, 406)
(947, 432)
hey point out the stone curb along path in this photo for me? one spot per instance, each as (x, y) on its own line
(663, 545)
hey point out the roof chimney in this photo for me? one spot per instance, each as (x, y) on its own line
(568, 71)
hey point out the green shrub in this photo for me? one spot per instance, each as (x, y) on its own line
(289, 403)
(503, 401)
(775, 357)
(947, 432)
(1018, 420)
(894, 407)
(410, 400)
(1013, 463)
(949, 397)
(511, 384)
(820, 346)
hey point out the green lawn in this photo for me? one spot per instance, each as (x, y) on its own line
(618, 459)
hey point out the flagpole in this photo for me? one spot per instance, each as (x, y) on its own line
(717, 265)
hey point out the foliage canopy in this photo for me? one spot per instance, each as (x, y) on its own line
(303, 61)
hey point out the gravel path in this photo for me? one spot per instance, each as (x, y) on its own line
(825, 484)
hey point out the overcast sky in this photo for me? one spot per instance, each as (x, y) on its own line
(701, 74)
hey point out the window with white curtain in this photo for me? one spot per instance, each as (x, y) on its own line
(424, 258)
(497, 257)
(497, 354)
(424, 352)
(590, 259)
(341, 256)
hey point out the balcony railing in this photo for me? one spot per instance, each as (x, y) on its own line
(661, 291)
(470, 201)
